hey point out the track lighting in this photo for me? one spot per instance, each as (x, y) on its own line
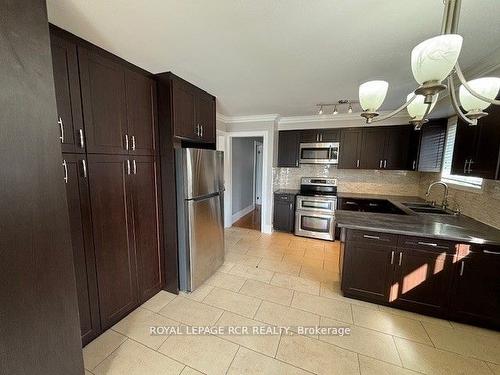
(335, 110)
(336, 106)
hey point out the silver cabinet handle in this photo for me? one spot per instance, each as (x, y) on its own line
(84, 168)
(380, 164)
(128, 167)
(201, 131)
(462, 265)
(400, 258)
(371, 237)
(428, 244)
(385, 163)
(133, 143)
(82, 140)
(392, 257)
(357, 163)
(61, 128)
(491, 252)
(414, 164)
(65, 167)
(321, 137)
(126, 142)
(134, 167)
(469, 170)
(465, 166)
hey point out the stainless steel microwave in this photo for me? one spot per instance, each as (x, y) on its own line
(319, 153)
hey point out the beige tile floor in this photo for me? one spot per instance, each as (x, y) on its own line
(282, 280)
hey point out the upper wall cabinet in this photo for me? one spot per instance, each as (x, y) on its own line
(104, 103)
(191, 111)
(319, 135)
(288, 148)
(67, 87)
(350, 148)
(477, 148)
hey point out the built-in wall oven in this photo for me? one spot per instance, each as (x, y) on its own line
(319, 153)
(315, 208)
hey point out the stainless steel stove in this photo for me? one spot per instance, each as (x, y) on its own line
(315, 208)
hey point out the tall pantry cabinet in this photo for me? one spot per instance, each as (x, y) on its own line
(108, 125)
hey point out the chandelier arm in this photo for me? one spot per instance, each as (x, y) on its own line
(395, 112)
(454, 102)
(467, 86)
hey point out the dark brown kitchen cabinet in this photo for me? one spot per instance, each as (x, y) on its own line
(319, 135)
(113, 227)
(284, 212)
(67, 88)
(413, 150)
(476, 151)
(104, 103)
(397, 143)
(141, 113)
(191, 111)
(350, 148)
(146, 214)
(77, 196)
(288, 148)
(476, 288)
(423, 275)
(205, 116)
(372, 148)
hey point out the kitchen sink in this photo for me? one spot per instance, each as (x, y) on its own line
(427, 208)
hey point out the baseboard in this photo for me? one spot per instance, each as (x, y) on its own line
(267, 229)
(238, 215)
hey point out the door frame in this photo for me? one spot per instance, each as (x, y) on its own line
(228, 165)
(256, 145)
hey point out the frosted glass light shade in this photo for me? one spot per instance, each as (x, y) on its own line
(372, 95)
(416, 109)
(434, 58)
(487, 86)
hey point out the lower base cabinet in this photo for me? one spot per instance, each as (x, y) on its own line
(428, 276)
(284, 212)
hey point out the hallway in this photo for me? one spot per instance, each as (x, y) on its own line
(250, 220)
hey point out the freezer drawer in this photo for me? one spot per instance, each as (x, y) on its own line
(205, 240)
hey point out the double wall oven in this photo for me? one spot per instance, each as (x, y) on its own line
(315, 208)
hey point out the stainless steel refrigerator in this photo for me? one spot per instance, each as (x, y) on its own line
(200, 220)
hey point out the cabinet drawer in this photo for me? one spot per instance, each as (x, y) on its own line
(284, 197)
(427, 244)
(374, 238)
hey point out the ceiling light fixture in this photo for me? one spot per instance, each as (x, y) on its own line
(433, 61)
(339, 104)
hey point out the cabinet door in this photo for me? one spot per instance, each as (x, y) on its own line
(77, 196)
(330, 135)
(205, 116)
(67, 86)
(464, 147)
(413, 150)
(372, 148)
(288, 148)
(423, 280)
(104, 104)
(283, 216)
(146, 225)
(432, 146)
(184, 113)
(397, 143)
(112, 221)
(367, 271)
(485, 161)
(309, 136)
(476, 289)
(350, 147)
(141, 113)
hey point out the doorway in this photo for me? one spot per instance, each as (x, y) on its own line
(246, 189)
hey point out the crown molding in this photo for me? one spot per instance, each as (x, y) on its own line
(244, 119)
(333, 118)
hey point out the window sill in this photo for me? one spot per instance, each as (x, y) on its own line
(464, 186)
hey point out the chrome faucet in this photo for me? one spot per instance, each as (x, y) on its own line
(444, 203)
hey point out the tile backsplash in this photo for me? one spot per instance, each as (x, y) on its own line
(349, 180)
(482, 205)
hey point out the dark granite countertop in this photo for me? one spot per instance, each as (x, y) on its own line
(451, 227)
(287, 191)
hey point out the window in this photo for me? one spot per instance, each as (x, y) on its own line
(446, 176)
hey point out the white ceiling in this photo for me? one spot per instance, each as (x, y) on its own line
(277, 56)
